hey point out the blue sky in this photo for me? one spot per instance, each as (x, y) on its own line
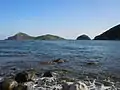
(66, 18)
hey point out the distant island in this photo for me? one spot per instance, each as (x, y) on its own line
(23, 36)
(111, 34)
(83, 37)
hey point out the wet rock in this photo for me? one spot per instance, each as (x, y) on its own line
(56, 61)
(92, 63)
(8, 84)
(107, 83)
(25, 76)
(78, 86)
(59, 60)
(47, 63)
(48, 74)
(21, 87)
(30, 85)
(21, 77)
(66, 85)
(74, 86)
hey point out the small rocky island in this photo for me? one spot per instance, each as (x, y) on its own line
(111, 34)
(23, 36)
(83, 37)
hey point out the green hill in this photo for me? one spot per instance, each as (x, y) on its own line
(48, 37)
(23, 36)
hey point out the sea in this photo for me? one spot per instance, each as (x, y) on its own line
(85, 58)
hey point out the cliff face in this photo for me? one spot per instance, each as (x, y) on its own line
(23, 36)
(83, 37)
(111, 34)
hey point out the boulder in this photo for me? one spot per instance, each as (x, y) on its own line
(8, 84)
(25, 76)
(66, 85)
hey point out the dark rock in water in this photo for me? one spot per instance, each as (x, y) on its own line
(25, 76)
(56, 61)
(111, 34)
(92, 63)
(8, 84)
(20, 87)
(48, 74)
(21, 77)
(83, 37)
(47, 63)
(59, 61)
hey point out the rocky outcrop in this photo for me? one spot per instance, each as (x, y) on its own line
(111, 34)
(23, 36)
(83, 37)
(52, 81)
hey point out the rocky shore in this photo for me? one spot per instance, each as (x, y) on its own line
(49, 80)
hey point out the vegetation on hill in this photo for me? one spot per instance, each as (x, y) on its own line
(23, 36)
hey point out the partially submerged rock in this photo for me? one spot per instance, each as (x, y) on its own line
(59, 60)
(92, 63)
(25, 76)
(52, 62)
(48, 74)
(47, 63)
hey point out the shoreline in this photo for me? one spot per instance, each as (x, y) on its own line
(56, 79)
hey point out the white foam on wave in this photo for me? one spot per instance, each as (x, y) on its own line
(46, 83)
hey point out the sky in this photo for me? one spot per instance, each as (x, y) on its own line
(65, 18)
